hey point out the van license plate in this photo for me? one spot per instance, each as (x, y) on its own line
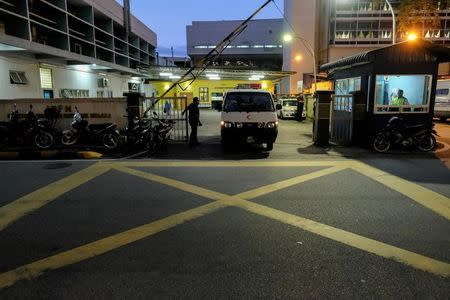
(250, 139)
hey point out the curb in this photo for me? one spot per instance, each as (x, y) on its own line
(46, 154)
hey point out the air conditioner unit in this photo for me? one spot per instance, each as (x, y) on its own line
(103, 82)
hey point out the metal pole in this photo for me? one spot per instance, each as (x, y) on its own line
(311, 51)
(394, 29)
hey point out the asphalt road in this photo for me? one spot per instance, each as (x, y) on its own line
(314, 223)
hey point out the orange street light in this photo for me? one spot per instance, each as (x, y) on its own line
(412, 36)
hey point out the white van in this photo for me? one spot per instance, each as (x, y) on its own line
(442, 102)
(250, 116)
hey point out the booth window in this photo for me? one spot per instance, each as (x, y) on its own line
(347, 85)
(402, 94)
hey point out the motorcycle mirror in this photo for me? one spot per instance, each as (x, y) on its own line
(155, 113)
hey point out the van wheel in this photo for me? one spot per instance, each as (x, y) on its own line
(443, 119)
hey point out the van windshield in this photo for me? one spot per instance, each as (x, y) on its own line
(240, 101)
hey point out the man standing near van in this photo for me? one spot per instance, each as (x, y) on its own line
(194, 120)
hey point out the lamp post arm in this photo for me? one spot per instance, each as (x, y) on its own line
(308, 45)
(394, 29)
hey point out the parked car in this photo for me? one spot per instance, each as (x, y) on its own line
(288, 108)
(442, 102)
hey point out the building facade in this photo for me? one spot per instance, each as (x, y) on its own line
(71, 49)
(257, 47)
(338, 29)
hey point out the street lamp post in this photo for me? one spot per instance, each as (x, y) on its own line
(308, 46)
(394, 30)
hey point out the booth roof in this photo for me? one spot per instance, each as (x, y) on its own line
(441, 53)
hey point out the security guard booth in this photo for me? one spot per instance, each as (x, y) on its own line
(396, 80)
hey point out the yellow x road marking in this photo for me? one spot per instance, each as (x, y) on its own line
(35, 200)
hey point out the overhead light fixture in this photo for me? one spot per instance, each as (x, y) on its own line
(102, 74)
(212, 75)
(214, 78)
(165, 74)
(174, 77)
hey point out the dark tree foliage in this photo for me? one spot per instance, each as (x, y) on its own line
(419, 15)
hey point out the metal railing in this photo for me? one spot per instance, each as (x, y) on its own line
(170, 108)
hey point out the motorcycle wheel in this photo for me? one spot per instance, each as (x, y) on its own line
(68, 138)
(43, 140)
(110, 140)
(427, 143)
(152, 149)
(381, 144)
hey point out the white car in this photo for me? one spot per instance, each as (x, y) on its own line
(249, 116)
(288, 108)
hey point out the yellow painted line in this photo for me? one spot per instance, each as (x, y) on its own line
(348, 238)
(89, 154)
(37, 199)
(209, 194)
(102, 246)
(9, 155)
(233, 164)
(110, 243)
(222, 200)
(264, 190)
(434, 201)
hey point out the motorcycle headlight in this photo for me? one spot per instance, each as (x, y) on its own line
(239, 125)
(271, 124)
(226, 124)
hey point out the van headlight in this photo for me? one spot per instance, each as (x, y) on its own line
(239, 125)
(271, 124)
(226, 124)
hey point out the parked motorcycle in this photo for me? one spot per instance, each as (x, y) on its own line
(80, 131)
(396, 132)
(160, 135)
(138, 133)
(26, 132)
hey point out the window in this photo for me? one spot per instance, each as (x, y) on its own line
(46, 78)
(402, 93)
(48, 94)
(73, 93)
(203, 94)
(17, 77)
(442, 92)
(245, 101)
(347, 85)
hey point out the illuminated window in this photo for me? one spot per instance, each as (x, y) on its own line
(46, 78)
(203, 94)
(402, 94)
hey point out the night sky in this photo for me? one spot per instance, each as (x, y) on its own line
(169, 18)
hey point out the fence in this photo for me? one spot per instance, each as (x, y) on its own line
(170, 108)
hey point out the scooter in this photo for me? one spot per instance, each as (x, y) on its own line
(396, 132)
(80, 131)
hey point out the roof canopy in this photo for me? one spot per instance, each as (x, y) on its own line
(419, 50)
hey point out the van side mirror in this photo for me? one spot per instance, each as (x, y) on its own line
(278, 106)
